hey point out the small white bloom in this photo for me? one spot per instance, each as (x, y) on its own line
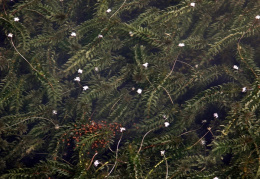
(235, 67)
(10, 35)
(54, 111)
(215, 115)
(57, 126)
(109, 10)
(196, 66)
(164, 116)
(122, 129)
(244, 89)
(139, 91)
(203, 121)
(77, 79)
(215, 178)
(80, 71)
(96, 163)
(145, 65)
(73, 34)
(192, 4)
(181, 45)
(162, 152)
(166, 124)
(96, 68)
(16, 19)
(85, 88)
(100, 36)
(257, 17)
(133, 88)
(131, 33)
(202, 142)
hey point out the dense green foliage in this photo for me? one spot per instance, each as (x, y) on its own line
(139, 77)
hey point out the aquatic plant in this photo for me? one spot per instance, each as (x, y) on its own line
(129, 89)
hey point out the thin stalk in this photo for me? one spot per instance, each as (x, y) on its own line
(92, 160)
(116, 155)
(166, 167)
(29, 63)
(143, 140)
(31, 118)
(118, 9)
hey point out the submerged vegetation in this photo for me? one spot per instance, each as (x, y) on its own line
(129, 89)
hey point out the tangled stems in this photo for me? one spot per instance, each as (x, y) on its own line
(149, 173)
(116, 155)
(209, 130)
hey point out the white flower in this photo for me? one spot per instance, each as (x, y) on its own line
(166, 124)
(122, 129)
(145, 65)
(139, 91)
(73, 34)
(16, 19)
(203, 121)
(57, 126)
(77, 79)
(80, 71)
(257, 17)
(215, 115)
(133, 88)
(181, 45)
(96, 163)
(109, 10)
(244, 89)
(235, 67)
(10, 35)
(202, 142)
(85, 88)
(164, 116)
(131, 33)
(215, 178)
(96, 68)
(54, 111)
(100, 36)
(196, 66)
(162, 152)
(192, 4)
